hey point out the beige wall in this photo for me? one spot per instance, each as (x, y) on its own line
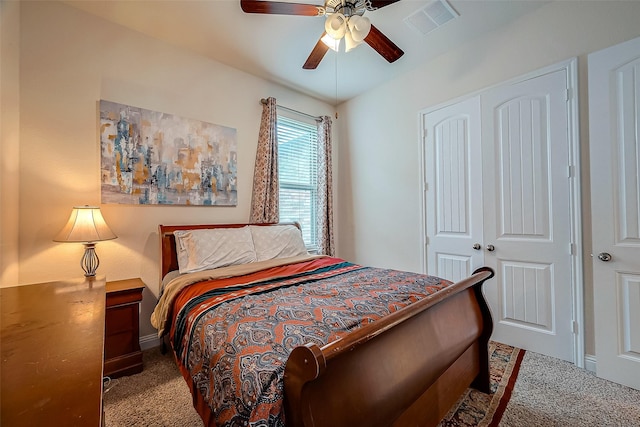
(69, 60)
(379, 215)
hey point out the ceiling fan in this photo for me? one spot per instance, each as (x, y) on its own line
(344, 20)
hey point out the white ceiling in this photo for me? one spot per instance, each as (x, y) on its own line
(274, 47)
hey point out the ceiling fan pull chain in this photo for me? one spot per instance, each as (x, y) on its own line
(336, 69)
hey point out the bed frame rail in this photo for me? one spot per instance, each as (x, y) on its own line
(409, 368)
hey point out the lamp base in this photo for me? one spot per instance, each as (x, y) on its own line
(90, 261)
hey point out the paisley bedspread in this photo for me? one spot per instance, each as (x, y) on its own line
(232, 336)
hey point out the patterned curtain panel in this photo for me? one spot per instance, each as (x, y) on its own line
(325, 193)
(264, 199)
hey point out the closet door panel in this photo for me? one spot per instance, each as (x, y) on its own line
(527, 208)
(524, 168)
(453, 200)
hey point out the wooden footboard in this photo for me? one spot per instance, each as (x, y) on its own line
(406, 369)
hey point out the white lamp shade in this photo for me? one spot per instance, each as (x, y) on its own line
(85, 224)
(336, 25)
(333, 44)
(359, 27)
(349, 43)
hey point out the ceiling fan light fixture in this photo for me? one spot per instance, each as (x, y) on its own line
(336, 25)
(359, 27)
(349, 42)
(333, 44)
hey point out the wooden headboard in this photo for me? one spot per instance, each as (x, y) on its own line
(168, 253)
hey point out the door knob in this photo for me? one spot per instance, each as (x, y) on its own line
(476, 246)
(604, 256)
(491, 248)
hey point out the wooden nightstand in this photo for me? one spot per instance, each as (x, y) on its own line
(122, 354)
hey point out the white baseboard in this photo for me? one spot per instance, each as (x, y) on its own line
(149, 341)
(590, 362)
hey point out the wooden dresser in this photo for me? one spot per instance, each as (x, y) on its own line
(52, 339)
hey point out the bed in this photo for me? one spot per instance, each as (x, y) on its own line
(280, 336)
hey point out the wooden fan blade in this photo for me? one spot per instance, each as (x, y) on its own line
(381, 44)
(377, 4)
(318, 52)
(280, 8)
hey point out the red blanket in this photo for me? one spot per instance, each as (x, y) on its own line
(232, 336)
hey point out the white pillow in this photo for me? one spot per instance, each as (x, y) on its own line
(205, 249)
(277, 241)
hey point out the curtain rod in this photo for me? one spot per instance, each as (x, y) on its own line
(264, 102)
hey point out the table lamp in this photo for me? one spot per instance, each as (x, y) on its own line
(86, 225)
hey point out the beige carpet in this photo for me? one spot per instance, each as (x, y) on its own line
(547, 392)
(158, 396)
(551, 392)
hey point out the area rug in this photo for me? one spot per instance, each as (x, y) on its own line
(475, 408)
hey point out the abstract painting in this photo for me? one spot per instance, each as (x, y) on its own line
(152, 158)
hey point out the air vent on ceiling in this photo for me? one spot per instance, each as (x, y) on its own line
(430, 17)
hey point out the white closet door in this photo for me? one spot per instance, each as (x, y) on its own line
(614, 129)
(453, 176)
(527, 228)
(496, 169)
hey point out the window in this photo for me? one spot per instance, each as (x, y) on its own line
(298, 175)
